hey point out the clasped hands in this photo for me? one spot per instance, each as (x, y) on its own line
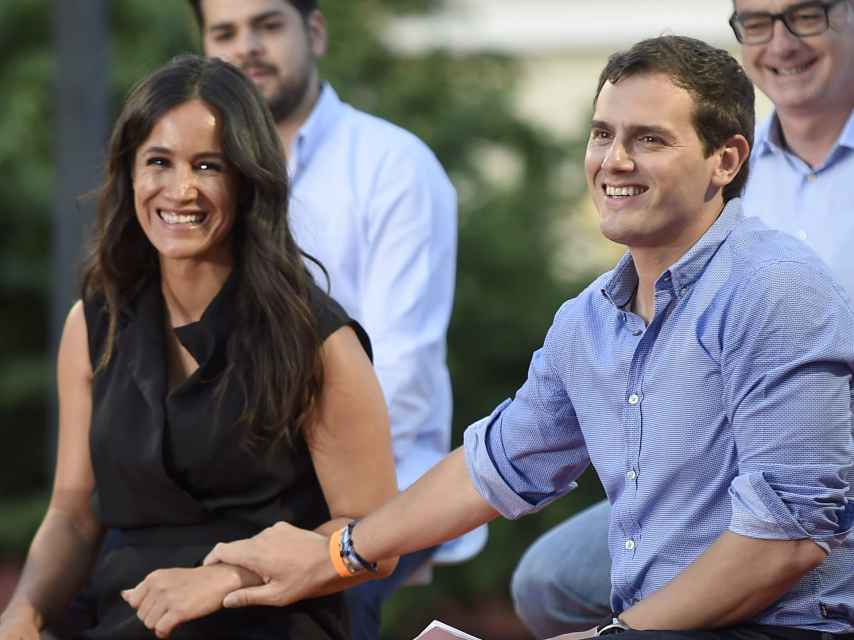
(280, 565)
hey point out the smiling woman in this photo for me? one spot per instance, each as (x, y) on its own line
(184, 188)
(208, 388)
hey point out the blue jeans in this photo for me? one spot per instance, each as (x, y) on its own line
(563, 582)
(366, 600)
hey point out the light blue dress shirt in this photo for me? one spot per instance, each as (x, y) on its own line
(815, 205)
(373, 204)
(731, 410)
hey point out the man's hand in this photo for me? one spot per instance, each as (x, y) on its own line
(169, 597)
(734, 580)
(293, 563)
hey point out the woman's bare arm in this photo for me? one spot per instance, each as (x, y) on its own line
(350, 442)
(63, 549)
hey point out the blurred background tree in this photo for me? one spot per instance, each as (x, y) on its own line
(515, 183)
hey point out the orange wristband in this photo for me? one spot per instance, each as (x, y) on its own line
(335, 554)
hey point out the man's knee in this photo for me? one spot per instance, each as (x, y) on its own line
(526, 589)
(526, 583)
(537, 588)
(562, 583)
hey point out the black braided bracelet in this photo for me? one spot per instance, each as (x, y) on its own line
(351, 558)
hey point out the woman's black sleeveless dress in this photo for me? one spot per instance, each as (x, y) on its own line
(173, 479)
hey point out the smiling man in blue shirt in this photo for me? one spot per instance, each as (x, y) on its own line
(799, 53)
(713, 398)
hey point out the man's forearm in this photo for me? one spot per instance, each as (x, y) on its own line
(442, 505)
(296, 563)
(735, 579)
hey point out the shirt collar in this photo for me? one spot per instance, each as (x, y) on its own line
(769, 137)
(323, 117)
(847, 137)
(620, 286)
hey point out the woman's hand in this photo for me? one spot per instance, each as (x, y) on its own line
(16, 625)
(169, 597)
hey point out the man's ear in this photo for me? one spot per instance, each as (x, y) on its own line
(316, 25)
(730, 158)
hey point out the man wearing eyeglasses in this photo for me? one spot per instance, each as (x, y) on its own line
(801, 55)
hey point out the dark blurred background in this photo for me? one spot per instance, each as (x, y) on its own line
(65, 67)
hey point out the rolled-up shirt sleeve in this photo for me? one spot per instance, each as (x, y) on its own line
(530, 450)
(787, 361)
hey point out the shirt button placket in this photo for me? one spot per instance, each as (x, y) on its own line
(634, 401)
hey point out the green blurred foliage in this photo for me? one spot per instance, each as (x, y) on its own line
(26, 71)
(507, 289)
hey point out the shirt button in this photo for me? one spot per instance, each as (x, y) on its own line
(634, 399)
(636, 332)
(802, 235)
(812, 177)
(631, 475)
(630, 545)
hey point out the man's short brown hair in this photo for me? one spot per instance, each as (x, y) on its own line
(723, 94)
(305, 7)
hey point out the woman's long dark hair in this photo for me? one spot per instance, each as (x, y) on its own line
(273, 352)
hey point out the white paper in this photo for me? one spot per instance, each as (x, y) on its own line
(577, 635)
(440, 631)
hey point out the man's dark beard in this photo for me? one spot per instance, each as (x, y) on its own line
(288, 98)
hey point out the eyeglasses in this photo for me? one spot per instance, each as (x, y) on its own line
(803, 19)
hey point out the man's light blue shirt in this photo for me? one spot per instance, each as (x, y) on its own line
(813, 204)
(373, 204)
(731, 410)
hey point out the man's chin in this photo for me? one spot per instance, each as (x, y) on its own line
(283, 104)
(617, 226)
(617, 233)
(267, 89)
